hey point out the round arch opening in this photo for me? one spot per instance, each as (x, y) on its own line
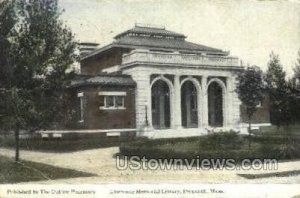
(189, 105)
(160, 108)
(215, 105)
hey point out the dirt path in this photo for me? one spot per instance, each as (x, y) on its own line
(102, 163)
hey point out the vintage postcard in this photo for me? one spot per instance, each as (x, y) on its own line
(149, 98)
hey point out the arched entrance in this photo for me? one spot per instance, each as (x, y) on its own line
(215, 104)
(160, 96)
(189, 105)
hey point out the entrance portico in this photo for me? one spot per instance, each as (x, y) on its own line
(183, 99)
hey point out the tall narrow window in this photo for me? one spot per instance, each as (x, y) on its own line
(119, 101)
(81, 107)
(109, 101)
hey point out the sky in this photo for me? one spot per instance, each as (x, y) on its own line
(249, 29)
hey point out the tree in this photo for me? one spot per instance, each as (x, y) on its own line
(278, 91)
(297, 68)
(294, 87)
(34, 75)
(7, 23)
(293, 101)
(250, 91)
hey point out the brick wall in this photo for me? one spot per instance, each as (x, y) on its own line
(95, 118)
(262, 115)
(109, 58)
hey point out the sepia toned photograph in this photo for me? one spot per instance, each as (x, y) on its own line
(149, 98)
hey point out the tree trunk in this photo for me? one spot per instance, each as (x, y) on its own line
(17, 155)
(249, 132)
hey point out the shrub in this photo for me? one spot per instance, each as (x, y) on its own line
(279, 145)
(221, 141)
(222, 145)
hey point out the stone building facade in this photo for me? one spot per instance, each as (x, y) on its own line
(156, 83)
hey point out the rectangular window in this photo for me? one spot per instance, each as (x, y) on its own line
(119, 100)
(109, 101)
(112, 100)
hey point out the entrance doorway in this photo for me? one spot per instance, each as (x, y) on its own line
(215, 105)
(160, 96)
(189, 105)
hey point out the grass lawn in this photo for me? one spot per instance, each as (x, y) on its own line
(25, 171)
(61, 145)
(295, 129)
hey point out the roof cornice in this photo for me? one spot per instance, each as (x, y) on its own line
(114, 45)
(179, 65)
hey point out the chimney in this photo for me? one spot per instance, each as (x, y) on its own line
(87, 47)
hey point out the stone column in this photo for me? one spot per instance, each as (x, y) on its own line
(234, 103)
(200, 106)
(142, 100)
(176, 122)
(204, 105)
(228, 102)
